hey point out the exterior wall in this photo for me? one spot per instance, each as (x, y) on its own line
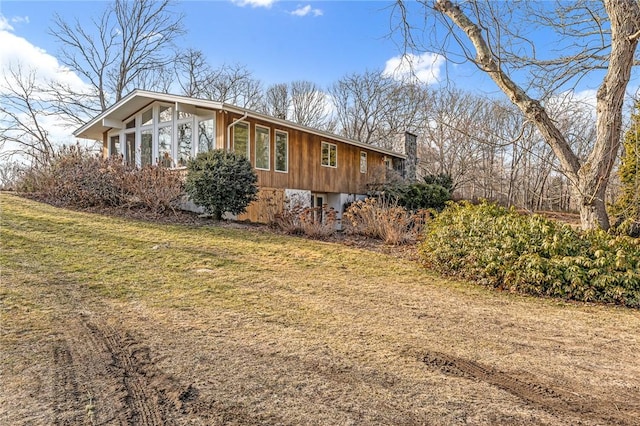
(305, 175)
(305, 170)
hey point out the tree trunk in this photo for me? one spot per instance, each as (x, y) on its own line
(589, 179)
(592, 208)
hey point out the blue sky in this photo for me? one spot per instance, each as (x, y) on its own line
(279, 41)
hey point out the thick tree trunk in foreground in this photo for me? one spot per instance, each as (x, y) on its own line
(590, 177)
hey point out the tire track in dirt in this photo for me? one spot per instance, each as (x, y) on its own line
(530, 391)
(66, 403)
(143, 402)
(121, 372)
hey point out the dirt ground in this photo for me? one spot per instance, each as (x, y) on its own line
(364, 353)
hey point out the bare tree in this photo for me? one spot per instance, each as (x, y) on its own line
(374, 108)
(361, 102)
(596, 36)
(234, 84)
(301, 101)
(448, 144)
(308, 104)
(130, 40)
(22, 107)
(193, 73)
(277, 101)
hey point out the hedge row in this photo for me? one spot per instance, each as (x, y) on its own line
(530, 254)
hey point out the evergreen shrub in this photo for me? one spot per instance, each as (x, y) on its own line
(221, 181)
(504, 249)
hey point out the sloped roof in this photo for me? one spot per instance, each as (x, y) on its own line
(139, 99)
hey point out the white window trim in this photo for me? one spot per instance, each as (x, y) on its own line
(275, 151)
(255, 155)
(197, 120)
(366, 162)
(329, 158)
(235, 125)
(155, 126)
(111, 135)
(188, 120)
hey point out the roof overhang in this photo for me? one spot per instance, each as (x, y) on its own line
(116, 115)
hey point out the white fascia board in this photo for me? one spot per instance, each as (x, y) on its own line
(115, 124)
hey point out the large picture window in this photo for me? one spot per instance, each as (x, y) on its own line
(164, 146)
(146, 147)
(241, 139)
(147, 117)
(185, 137)
(166, 113)
(263, 153)
(114, 145)
(130, 148)
(206, 141)
(329, 154)
(282, 151)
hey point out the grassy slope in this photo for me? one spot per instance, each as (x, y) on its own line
(289, 331)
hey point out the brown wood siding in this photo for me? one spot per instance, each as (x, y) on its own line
(269, 204)
(221, 129)
(105, 145)
(305, 169)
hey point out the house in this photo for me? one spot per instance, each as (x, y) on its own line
(294, 163)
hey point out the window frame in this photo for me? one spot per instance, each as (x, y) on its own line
(235, 126)
(255, 151)
(110, 137)
(329, 147)
(181, 122)
(286, 151)
(199, 131)
(363, 156)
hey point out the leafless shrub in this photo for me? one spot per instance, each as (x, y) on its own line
(314, 222)
(154, 188)
(385, 220)
(75, 176)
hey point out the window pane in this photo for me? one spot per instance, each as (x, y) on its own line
(182, 115)
(262, 148)
(363, 162)
(130, 149)
(130, 124)
(147, 117)
(166, 113)
(114, 145)
(241, 139)
(184, 143)
(146, 147)
(282, 151)
(206, 141)
(325, 154)
(164, 146)
(329, 154)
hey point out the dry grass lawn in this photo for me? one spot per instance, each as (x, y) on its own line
(112, 321)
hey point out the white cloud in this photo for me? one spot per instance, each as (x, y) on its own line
(306, 10)
(254, 3)
(16, 51)
(4, 24)
(18, 54)
(20, 20)
(425, 68)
